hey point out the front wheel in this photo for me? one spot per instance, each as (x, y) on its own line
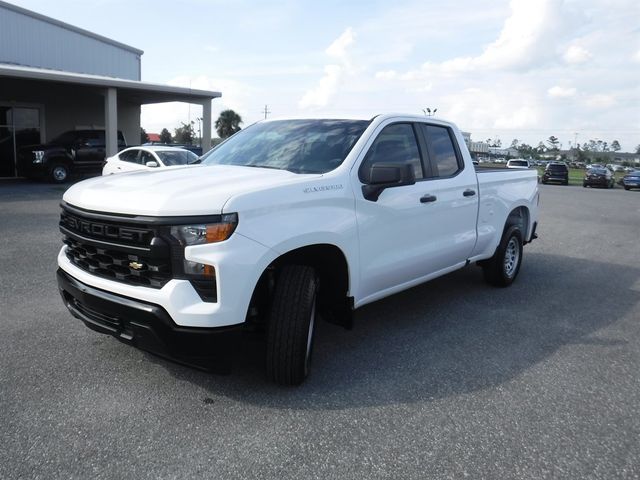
(292, 324)
(502, 269)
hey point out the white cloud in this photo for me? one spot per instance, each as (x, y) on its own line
(561, 92)
(327, 86)
(386, 75)
(576, 54)
(338, 49)
(636, 57)
(525, 40)
(600, 101)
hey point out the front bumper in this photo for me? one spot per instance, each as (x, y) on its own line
(148, 326)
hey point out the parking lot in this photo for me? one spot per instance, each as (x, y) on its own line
(450, 379)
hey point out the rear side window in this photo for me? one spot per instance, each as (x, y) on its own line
(395, 144)
(129, 156)
(442, 153)
(95, 138)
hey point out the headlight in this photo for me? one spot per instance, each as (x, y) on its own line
(202, 276)
(201, 234)
(38, 156)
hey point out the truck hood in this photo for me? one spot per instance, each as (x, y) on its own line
(190, 190)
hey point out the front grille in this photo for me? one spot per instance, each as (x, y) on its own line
(116, 265)
(119, 251)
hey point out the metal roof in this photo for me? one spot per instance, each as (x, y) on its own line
(142, 92)
(67, 26)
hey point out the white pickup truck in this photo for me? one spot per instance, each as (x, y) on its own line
(283, 223)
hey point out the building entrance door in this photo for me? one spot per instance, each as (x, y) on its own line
(19, 127)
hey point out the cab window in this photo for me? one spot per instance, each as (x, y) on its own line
(395, 144)
(442, 153)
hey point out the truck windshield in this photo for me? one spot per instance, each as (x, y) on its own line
(299, 146)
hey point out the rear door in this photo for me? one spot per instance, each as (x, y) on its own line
(454, 213)
(89, 151)
(129, 160)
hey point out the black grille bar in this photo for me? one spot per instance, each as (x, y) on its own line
(119, 251)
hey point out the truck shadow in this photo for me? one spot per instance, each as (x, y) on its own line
(451, 336)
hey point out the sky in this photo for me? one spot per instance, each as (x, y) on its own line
(518, 69)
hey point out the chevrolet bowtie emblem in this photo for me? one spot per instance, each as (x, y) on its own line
(136, 265)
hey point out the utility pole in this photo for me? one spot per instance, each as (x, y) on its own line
(266, 111)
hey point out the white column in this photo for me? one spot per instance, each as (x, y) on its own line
(206, 126)
(111, 121)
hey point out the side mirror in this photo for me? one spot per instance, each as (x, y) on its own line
(152, 164)
(386, 175)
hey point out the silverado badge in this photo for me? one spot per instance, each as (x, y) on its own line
(136, 265)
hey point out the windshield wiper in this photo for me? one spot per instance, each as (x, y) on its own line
(264, 166)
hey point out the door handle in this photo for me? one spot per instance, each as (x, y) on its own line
(428, 198)
(469, 193)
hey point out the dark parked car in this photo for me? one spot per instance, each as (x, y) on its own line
(556, 172)
(77, 151)
(631, 180)
(598, 177)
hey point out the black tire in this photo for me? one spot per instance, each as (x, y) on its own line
(59, 173)
(497, 270)
(627, 188)
(567, 182)
(584, 185)
(291, 325)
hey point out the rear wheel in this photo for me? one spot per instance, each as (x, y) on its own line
(59, 173)
(502, 269)
(291, 325)
(627, 188)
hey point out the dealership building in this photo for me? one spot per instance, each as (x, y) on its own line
(56, 77)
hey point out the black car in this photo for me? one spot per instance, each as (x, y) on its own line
(598, 177)
(556, 172)
(631, 180)
(76, 151)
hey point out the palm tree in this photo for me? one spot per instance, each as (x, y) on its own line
(228, 123)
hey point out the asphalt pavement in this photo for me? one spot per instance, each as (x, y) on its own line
(450, 379)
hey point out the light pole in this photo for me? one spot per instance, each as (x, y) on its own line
(428, 112)
(199, 119)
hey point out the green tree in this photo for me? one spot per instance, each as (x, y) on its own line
(638, 148)
(165, 136)
(228, 123)
(615, 146)
(184, 133)
(553, 143)
(144, 138)
(514, 143)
